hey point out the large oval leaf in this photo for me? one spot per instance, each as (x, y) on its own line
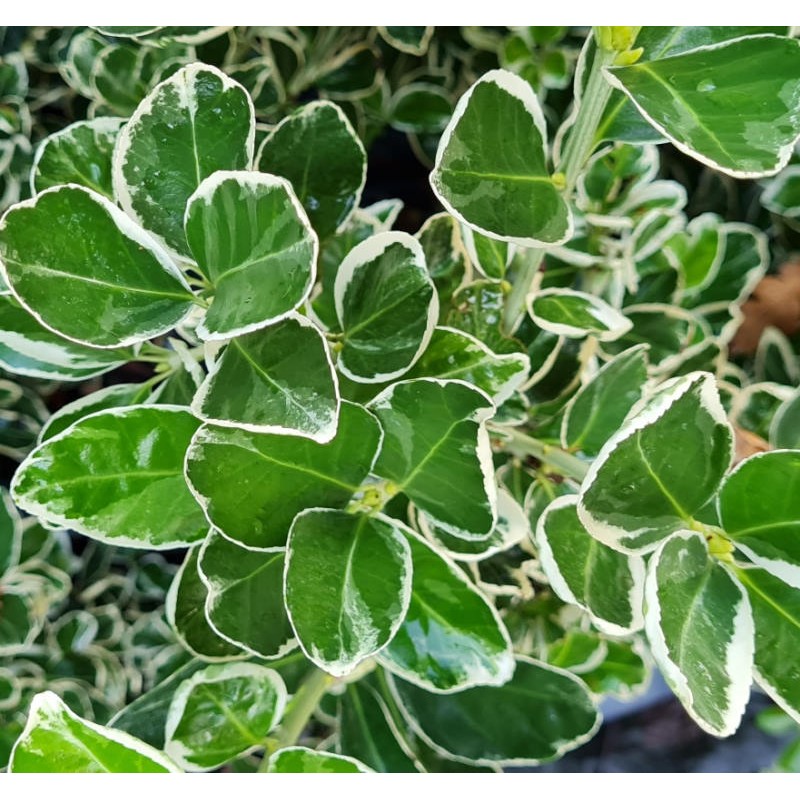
(117, 476)
(116, 286)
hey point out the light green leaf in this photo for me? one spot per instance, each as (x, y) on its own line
(79, 153)
(244, 602)
(348, 582)
(252, 239)
(251, 485)
(577, 651)
(57, 740)
(700, 627)
(695, 100)
(276, 380)
(662, 466)
(117, 476)
(601, 404)
(491, 166)
(436, 450)
(411, 39)
(540, 714)
(784, 430)
(221, 712)
(318, 151)
(776, 611)
(624, 673)
(386, 305)
(451, 637)
(303, 759)
(576, 314)
(759, 508)
(782, 193)
(118, 287)
(699, 250)
(609, 585)
(191, 125)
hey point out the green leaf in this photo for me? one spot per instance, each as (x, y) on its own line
(244, 603)
(118, 287)
(451, 637)
(10, 533)
(624, 672)
(577, 651)
(276, 380)
(251, 485)
(303, 759)
(776, 611)
(445, 256)
(700, 627)
(609, 585)
(490, 256)
(782, 193)
(540, 714)
(784, 430)
(318, 151)
(695, 100)
(252, 239)
(601, 404)
(386, 305)
(191, 125)
(79, 153)
(491, 166)
(411, 39)
(57, 740)
(576, 314)
(19, 625)
(117, 476)
(221, 712)
(348, 579)
(185, 611)
(436, 450)
(422, 108)
(700, 251)
(660, 468)
(759, 508)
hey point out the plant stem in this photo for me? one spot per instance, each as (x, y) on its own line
(515, 302)
(521, 444)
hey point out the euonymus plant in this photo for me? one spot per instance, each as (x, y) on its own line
(432, 496)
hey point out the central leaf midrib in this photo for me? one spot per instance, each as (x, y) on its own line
(499, 176)
(119, 476)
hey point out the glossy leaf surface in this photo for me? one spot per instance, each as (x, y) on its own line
(304, 759)
(576, 314)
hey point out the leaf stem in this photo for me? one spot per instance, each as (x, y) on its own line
(515, 302)
(521, 444)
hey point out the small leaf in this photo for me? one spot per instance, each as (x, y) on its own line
(491, 166)
(784, 430)
(252, 485)
(624, 672)
(318, 151)
(117, 288)
(10, 533)
(660, 468)
(117, 476)
(759, 508)
(303, 759)
(252, 239)
(445, 256)
(194, 123)
(386, 305)
(57, 740)
(422, 108)
(700, 627)
(348, 579)
(221, 712)
(411, 39)
(575, 314)
(782, 193)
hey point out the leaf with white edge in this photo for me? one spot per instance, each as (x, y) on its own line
(191, 125)
(565, 312)
(185, 612)
(782, 193)
(759, 508)
(491, 257)
(538, 715)
(252, 239)
(601, 404)
(451, 637)
(28, 348)
(695, 100)
(577, 651)
(117, 476)
(80, 153)
(784, 430)
(251, 486)
(222, 712)
(661, 467)
(19, 624)
(304, 759)
(57, 740)
(700, 627)
(699, 250)
(624, 673)
(117, 288)
(491, 166)
(245, 602)
(10, 533)
(318, 151)
(436, 450)
(776, 612)
(445, 256)
(609, 585)
(452, 353)
(386, 305)
(420, 108)
(411, 39)
(348, 583)
(278, 379)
